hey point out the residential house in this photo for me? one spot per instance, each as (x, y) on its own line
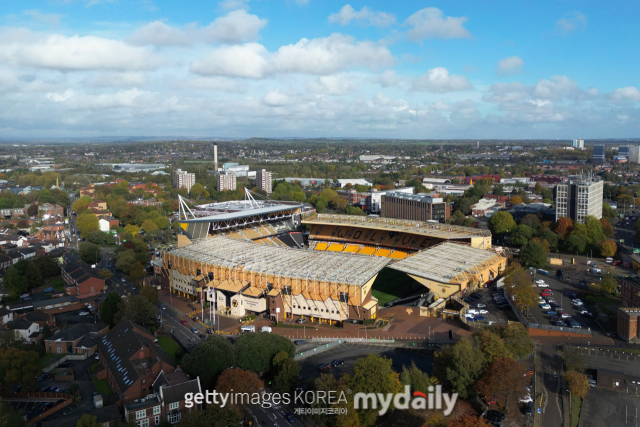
(98, 204)
(132, 361)
(41, 318)
(81, 280)
(50, 210)
(482, 207)
(52, 232)
(27, 330)
(78, 339)
(6, 316)
(5, 261)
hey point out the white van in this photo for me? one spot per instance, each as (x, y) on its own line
(266, 329)
(248, 328)
(596, 271)
(609, 260)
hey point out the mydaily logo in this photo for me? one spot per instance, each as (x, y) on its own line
(405, 400)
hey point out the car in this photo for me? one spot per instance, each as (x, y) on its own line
(195, 330)
(42, 377)
(588, 315)
(163, 307)
(324, 366)
(470, 318)
(592, 383)
(545, 307)
(543, 285)
(551, 313)
(122, 280)
(209, 330)
(554, 304)
(287, 416)
(559, 323)
(184, 322)
(528, 408)
(539, 281)
(572, 295)
(83, 313)
(48, 290)
(300, 342)
(526, 399)
(301, 320)
(577, 303)
(480, 318)
(481, 306)
(202, 336)
(472, 311)
(467, 300)
(528, 373)
(494, 415)
(483, 311)
(565, 315)
(97, 357)
(337, 362)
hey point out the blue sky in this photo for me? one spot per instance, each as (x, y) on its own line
(268, 68)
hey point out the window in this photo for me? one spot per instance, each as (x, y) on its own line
(157, 420)
(144, 381)
(174, 405)
(156, 410)
(141, 414)
(143, 423)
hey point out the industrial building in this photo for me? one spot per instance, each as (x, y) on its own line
(580, 197)
(183, 179)
(414, 207)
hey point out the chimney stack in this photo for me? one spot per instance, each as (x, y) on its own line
(215, 156)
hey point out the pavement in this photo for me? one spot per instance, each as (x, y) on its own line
(606, 408)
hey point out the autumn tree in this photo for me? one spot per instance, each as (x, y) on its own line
(577, 383)
(519, 284)
(517, 340)
(516, 200)
(608, 248)
(607, 228)
(564, 226)
(329, 384)
(609, 283)
(150, 293)
(238, 380)
(469, 421)
(20, 366)
(149, 226)
(491, 345)
(32, 210)
(137, 272)
(503, 381)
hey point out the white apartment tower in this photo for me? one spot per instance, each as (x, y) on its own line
(226, 181)
(582, 196)
(263, 180)
(578, 144)
(183, 179)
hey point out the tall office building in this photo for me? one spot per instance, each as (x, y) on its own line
(624, 151)
(634, 154)
(598, 153)
(415, 207)
(183, 179)
(578, 143)
(580, 197)
(263, 180)
(226, 181)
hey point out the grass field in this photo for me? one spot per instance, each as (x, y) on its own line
(391, 284)
(57, 283)
(576, 402)
(102, 387)
(170, 346)
(607, 305)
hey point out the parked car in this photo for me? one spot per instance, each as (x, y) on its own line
(528, 408)
(545, 306)
(184, 322)
(572, 295)
(592, 383)
(324, 366)
(300, 342)
(203, 336)
(337, 362)
(266, 329)
(195, 330)
(483, 311)
(543, 285)
(481, 306)
(480, 318)
(301, 320)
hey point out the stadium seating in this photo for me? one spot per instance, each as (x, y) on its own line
(398, 255)
(335, 247)
(382, 252)
(252, 233)
(352, 248)
(367, 250)
(322, 246)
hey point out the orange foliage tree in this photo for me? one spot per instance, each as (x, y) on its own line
(564, 226)
(503, 381)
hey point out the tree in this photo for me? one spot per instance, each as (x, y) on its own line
(196, 191)
(238, 380)
(89, 252)
(81, 204)
(501, 223)
(609, 283)
(162, 223)
(32, 210)
(521, 235)
(373, 372)
(415, 378)
(88, 421)
(287, 376)
(150, 293)
(33, 275)
(137, 271)
(469, 421)
(594, 229)
(607, 228)
(577, 383)
(564, 226)
(551, 238)
(126, 259)
(105, 274)
(131, 229)
(48, 266)
(534, 254)
(516, 200)
(148, 226)
(530, 220)
(10, 417)
(137, 309)
(256, 351)
(354, 210)
(573, 359)
(459, 366)
(519, 284)
(15, 282)
(109, 307)
(517, 340)
(87, 223)
(211, 357)
(575, 243)
(608, 248)
(491, 345)
(503, 381)
(22, 223)
(20, 366)
(213, 416)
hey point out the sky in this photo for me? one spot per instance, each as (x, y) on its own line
(320, 68)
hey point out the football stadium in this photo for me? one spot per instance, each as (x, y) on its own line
(285, 260)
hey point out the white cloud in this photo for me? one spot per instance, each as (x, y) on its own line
(276, 98)
(365, 17)
(430, 23)
(334, 85)
(215, 83)
(510, 66)
(556, 88)
(114, 79)
(52, 19)
(328, 55)
(236, 27)
(234, 4)
(576, 22)
(507, 92)
(248, 60)
(158, 33)
(74, 53)
(438, 80)
(389, 79)
(630, 93)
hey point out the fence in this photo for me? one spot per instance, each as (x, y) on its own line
(330, 343)
(83, 356)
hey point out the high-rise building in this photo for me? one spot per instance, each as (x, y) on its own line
(598, 153)
(634, 154)
(263, 180)
(226, 181)
(580, 197)
(578, 143)
(215, 156)
(624, 151)
(183, 179)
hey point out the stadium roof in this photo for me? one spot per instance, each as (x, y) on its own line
(283, 261)
(225, 211)
(432, 229)
(448, 262)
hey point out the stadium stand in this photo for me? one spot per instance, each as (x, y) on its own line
(322, 246)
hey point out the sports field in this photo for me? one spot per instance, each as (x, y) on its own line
(392, 284)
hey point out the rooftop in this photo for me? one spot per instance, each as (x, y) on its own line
(284, 261)
(443, 231)
(447, 262)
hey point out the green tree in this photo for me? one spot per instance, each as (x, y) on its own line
(594, 229)
(551, 238)
(520, 235)
(609, 283)
(491, 345)
(501, 223)
(137, 272)
(14, 282)
(354, 210)
(415, 378)
(534, 254)
(197, 191)
(517, 340)
(89, 252)
(125, 260)
(162, 222)
(531, 221)
(48, 266)
(109, 307)
(88, 421)
(87, 223)
(373, 372)
(138, 309)
(256, 351)
(81, 204)
(33, 275)
(459, 366)
(148, 226)
(150, 293)
(209, 359)
(287, 372)
(20, 366)
(212, 416)
(575, 244)
(10, 417)
(131, 229)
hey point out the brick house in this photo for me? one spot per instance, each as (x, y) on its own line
(80, 280)
(98, 204)
(166, 400)
(41, 318)
(51, 210)
(78, 339)
(132, 361)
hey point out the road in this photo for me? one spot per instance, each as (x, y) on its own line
(551, 379)
(172, 324)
